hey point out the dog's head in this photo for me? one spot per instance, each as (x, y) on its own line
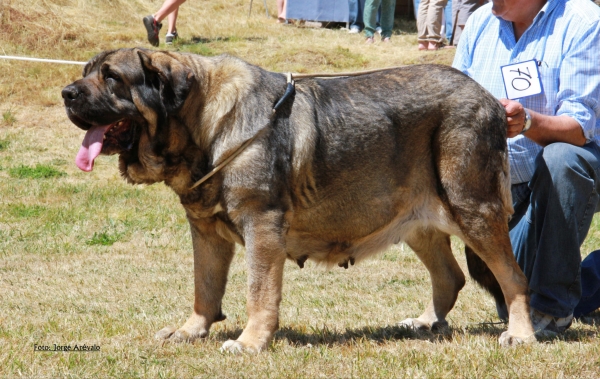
(125, 101)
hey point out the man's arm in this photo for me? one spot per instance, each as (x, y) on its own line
(578, 96)
(544, 129)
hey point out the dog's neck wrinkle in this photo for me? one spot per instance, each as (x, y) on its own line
(222, 85)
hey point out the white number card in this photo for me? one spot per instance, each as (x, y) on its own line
(522, 79)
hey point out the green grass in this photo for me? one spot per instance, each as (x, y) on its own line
(8, 117)
(25, 211)
(103, 238)
(40, 171)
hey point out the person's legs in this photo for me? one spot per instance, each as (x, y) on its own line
(552, 217)
(370, 17)
(387, 18)
(167, 8)
(281, 11)
(449, 19)
(416, 7)
(422, 24)
(172, 18)
(355, 15)
(465, 9)
(152, 22)
(434, 23)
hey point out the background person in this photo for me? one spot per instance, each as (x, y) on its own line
(464, 9)
(429, 24)
(386, 19)
(448, 16)
(281, 11)
(356, 16)
(552, 137)
(152, 23)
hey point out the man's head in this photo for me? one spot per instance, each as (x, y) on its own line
(517, 11)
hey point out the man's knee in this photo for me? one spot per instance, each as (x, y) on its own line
(563, 160)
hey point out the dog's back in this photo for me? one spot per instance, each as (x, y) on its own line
(374, 158)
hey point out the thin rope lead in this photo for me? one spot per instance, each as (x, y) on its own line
(41, 60)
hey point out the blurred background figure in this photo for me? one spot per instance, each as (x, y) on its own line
(356, 16)
(448, 17)
(429, 24)
(448, 21)
(281, 11)
(386, 19)
(464, 9)
(153, 24)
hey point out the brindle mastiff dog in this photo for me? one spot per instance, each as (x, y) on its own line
(340, 171)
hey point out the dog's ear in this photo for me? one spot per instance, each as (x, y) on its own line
(176, 78)
(92, 62)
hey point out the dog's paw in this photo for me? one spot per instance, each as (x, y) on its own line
(413, 323)
(171, 334)
(236, 347)
(507, 340)
(165, 333)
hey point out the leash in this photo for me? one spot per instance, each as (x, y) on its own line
(41, 60)
(290, 89)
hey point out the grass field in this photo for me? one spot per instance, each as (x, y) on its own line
(87, 259)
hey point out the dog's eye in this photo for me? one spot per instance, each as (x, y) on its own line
(113, 76)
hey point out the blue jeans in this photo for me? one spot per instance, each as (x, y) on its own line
(355, 14)
(448, 19)
(386, 19)
(553, 213)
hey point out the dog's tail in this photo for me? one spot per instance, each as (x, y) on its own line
(481, 273)
(505, 187)
(478, 270)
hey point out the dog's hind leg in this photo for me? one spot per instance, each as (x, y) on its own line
(489, 240)
(212, 258)
(447, 279)
(481, 213)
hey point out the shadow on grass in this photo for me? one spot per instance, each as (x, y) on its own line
(202, 45)
(592, 319)
(198, 39)
(570, 335)
(328, 337)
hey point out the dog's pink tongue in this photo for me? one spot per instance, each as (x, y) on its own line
(90, 147)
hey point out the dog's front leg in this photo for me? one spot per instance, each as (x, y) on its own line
(212, 258)
(265, 258)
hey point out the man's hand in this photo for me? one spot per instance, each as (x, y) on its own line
(544, 129)
(515, 115)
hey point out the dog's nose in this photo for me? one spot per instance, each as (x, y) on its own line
(70, 93)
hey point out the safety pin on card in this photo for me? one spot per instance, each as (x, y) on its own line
(522, 79)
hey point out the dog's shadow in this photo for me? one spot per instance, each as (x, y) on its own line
(325, 336)
(194, 40)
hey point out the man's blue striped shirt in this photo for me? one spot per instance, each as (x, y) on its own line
(565, 40)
